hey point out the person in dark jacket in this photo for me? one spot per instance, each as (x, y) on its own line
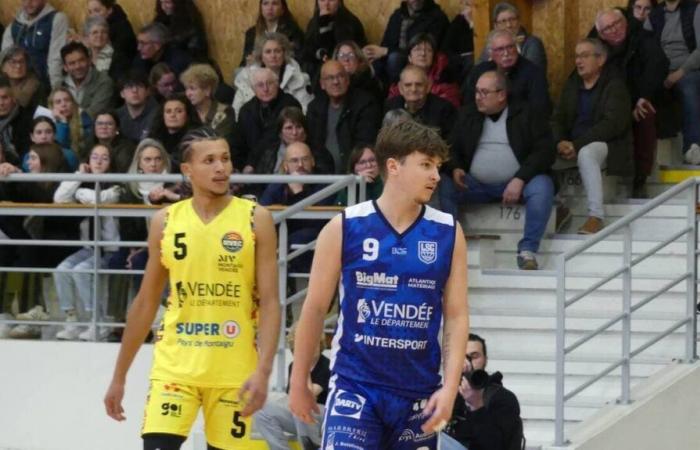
(154, 47)
(676, 26)
(258, 117)
(502, 151)
(639, 59)
(639, 10)
(342, 119)
(487, 418)
(458, 43)
(121, 33)
(273, 16)
(174, 119)
(592, 126)
(411, 18)
(361, 72)
(186, 25)
(15, 121)
(106, 132)
(424, 107)
(291, 127)
(331, 23)
(526, 82)
(26, 87)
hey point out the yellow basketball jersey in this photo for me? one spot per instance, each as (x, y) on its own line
(207, 336)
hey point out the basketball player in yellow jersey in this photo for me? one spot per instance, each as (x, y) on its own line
(216, 344)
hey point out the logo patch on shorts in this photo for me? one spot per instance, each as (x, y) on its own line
(347, 404)
(232, 241)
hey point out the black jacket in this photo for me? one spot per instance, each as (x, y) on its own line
(122, 37)
(431, 19)
(496, 426)
(254, 121)
(612, 120)
(177, 59)
(15, 133)
(358, 124)
(526, 83)
(436, 112)
(529, 135)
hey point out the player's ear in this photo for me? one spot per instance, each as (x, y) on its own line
(392, 166)
(185, 169)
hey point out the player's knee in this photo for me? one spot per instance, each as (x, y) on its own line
(162, 441)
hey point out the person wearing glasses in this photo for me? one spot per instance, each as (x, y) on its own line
(363, 162)
(503, 152)
(362, 74)
(28, 91)
(153, 45)
(526, 81)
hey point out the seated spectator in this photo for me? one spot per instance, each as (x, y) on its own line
(298, 160)
(43, 31)
(363, 162)
(163, 81)
(258, 116)
(342, 119)
(186, 26)
(153, 44)
(331, 23)
(200, 81)
(10, 226)
(268, 157)
(139, 109)
(121, 33)
(526, 81)
(274, 420)
(639, 59)
(92, 89)
(44, 132)
(171, 123)
(274, 16)
(424, 107)
(103, 56)
(423, 53)
(458, 43)
(361, 72)
(73, 126)
(274, 52)
(410, 19)
(43, 158)
(72, 286)
(676, 26)
(639, 10)
(592, 127)
(106, 132)
(487, 418)
(507, 17)
(27, 90)
(15, 121)
(502, 152)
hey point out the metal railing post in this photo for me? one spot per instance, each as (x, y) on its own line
(282, 274)
(560, 354)
(691, 282)
(96, 262)
(627, 311)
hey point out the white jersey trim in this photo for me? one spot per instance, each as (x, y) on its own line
(434, 215)
(363, 209)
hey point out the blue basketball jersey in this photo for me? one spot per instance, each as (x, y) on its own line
(391, 290)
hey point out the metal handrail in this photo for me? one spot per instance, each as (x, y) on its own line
(689, 320)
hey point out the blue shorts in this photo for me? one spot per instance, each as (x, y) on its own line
(363, 417)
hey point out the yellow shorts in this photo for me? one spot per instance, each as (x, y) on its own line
(172, 408)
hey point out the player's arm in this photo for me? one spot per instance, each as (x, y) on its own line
(325, 272)
(454, 336)
(140, 317)
(254, 391)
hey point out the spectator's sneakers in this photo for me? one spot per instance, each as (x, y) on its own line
(692, 155)
(25, 332)
(526, 260)
(592, 226)
(70, 332)
(5, 328)
(36, 313)
(89, 334)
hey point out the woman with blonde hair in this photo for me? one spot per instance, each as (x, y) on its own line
(201, 81)
(73, 126)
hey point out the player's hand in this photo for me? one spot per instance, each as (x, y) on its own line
(253, 393)
(302, 404)
(439, 408)
(113, 401)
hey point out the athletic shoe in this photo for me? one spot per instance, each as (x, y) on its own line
(25, 332)
(592, 226)
(89, 334)
(69, 332)
(527, 261)
(36, 313)
(692, 155)
(5, 328)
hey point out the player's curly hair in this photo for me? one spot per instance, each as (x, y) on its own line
(404, 137)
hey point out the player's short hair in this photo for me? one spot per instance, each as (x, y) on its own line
(404, 137)
(192, 137)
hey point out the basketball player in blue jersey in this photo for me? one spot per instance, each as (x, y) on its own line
(401, 267)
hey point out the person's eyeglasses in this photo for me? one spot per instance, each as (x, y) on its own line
(507, 21)
(298, 161)
(346, 57)
(486, 92)
(504, 49)
(613, 26)
(102, 158)
(17, 61)
(585, 55)
(144, 43)
(264, 84)
(424, 49)
(366, 162)
(336, 77)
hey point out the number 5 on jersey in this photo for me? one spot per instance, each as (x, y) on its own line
(180, 246)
